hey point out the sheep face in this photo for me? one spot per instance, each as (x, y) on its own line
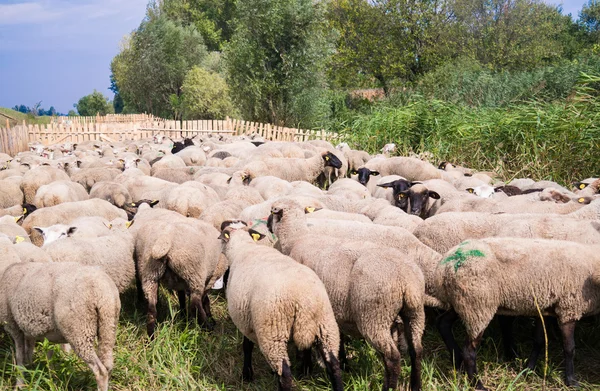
(55, 232)
(419, 197)
(331, 160)
(401, 194)
(364, 174)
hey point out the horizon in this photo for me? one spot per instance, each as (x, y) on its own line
(57, 51)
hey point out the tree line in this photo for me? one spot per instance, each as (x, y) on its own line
(284, 61)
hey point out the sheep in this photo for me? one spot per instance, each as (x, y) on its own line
(113, 253)
(87, 177)
(271, 187)
(67, 212)
(272, 299)
(11, 194)
(328, 214)
(168, 161)
(37, 302)
(135, 162)
(176, 175)
(288, 222)
(516, 276)
(40, 176)
(349, 188)
(185, 256)
(410, 168)
(113, 192)
(350, 270)
(81, 227)
(146, 187)
(355, 158)
(189, 199)
(294, 169)
(59, 192)
(192, 156)
(446, 230)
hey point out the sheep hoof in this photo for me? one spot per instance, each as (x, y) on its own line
(248, 374)
(572, 383)
(480, 386)
(209, 324)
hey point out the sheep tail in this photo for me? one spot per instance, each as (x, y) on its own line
(161, 246)
(430, 301)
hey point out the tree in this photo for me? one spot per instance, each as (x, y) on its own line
(153, 63)
(276, 59)
(210, 17)
(590, 18)
(72, 113)
(205, 96)
(94, 103)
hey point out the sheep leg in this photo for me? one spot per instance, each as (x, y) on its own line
(206, 305)
(247, 371)
(343, 357)
(444, 325)
(285, 380)
(538, 344)
(181, 298)
(506, 326)
(384, 343)
(332, 366)
(151, 294)
(307, 364)
(470, 357)
(413, 329)
(568, 335)
(198, 309)
(21, 354)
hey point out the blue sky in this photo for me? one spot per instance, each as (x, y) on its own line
(57, 51)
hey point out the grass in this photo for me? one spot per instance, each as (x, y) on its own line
(20, 117)
(184, 357)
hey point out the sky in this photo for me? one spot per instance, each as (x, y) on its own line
(57, 51)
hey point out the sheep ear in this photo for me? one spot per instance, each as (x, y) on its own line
(581, 185)
(107, 225)
(129, 224)
(386, 185)
(153, 202)
(470, 190)
(375, 173)
(434, 195)
(71, 231)
(19, 218)
(256, 236)
(224, 236)
(229, 180)
(40, 230)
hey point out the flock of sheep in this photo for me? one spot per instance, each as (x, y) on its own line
(389, 237)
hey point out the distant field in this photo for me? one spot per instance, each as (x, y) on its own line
(16, 117)
(184, 357)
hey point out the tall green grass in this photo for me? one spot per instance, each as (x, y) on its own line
(543, 140)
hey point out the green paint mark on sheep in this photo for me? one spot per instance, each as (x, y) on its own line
(460, 257)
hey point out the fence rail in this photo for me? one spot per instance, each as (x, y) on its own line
(99, 129)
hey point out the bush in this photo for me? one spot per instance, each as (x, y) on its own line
(205, 96)
(94, 103)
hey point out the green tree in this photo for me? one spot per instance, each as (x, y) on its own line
(590, 18)
(205, 96)
(509, 34)
(153, 63)
(276, 59)
(94, 103)
(210, 17)
(72, 113)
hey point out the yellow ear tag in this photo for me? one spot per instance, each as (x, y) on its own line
(24, 211)
(256, 237)
(582, 186)
(128, 224)
(109, 226)
(326, 157)
(17, 219)
(132, 204)
(401, 195)
(581, 200)
(19, 239)
(470, 190)
(309, 209)
(226, 235)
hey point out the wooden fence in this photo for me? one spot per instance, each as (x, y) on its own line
(108, 118)
(13, 140)
(80, 131)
